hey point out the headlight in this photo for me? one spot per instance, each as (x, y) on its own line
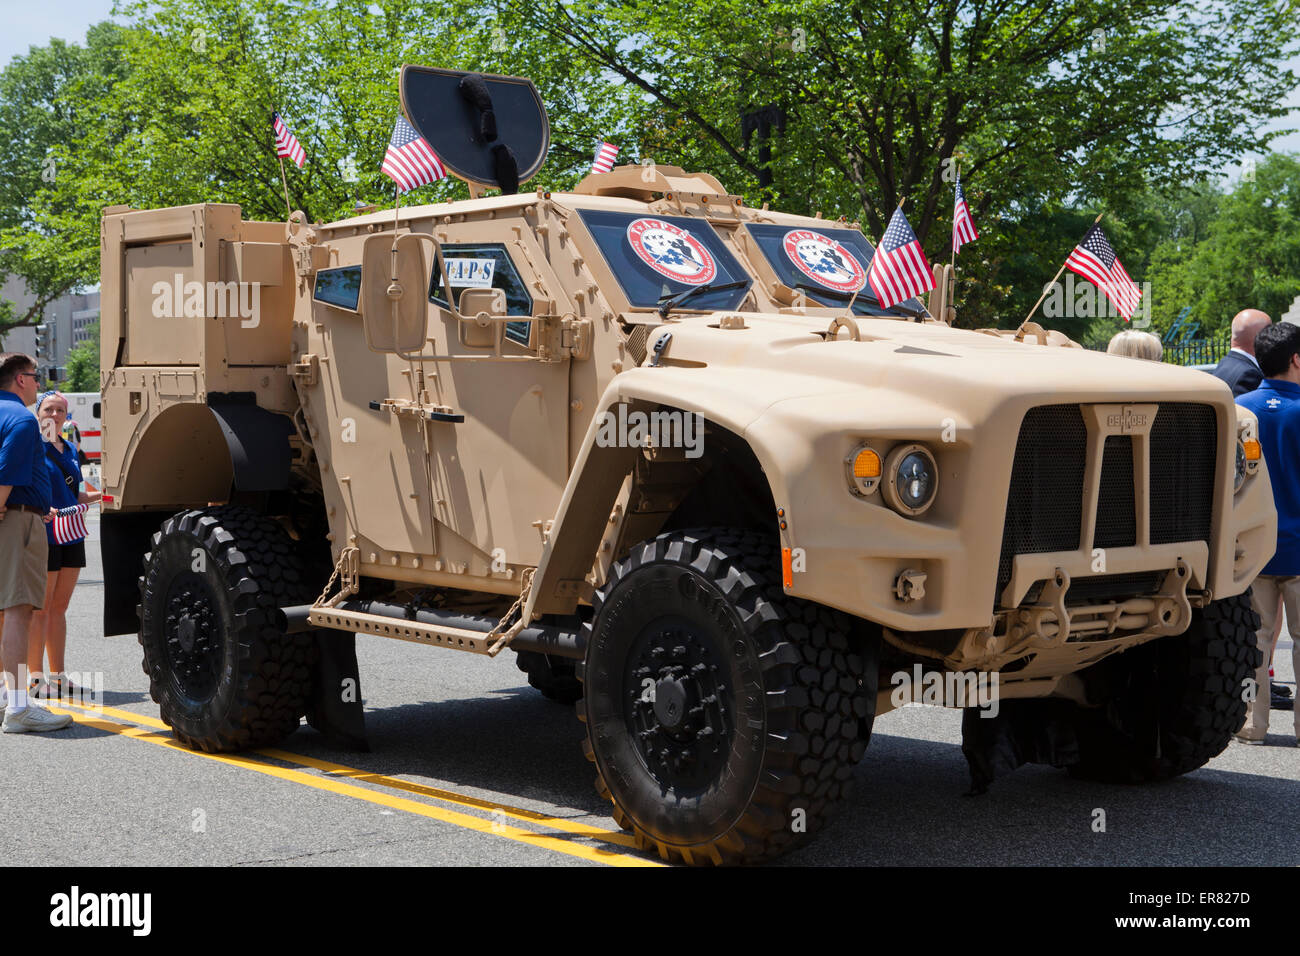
(1239, 477)
(911, 479)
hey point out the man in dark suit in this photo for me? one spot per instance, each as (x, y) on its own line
(1239, 367)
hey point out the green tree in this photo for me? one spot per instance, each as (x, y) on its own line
(1055, 110)
(1246, 255)
(51, 191)
(83, 364)
(1047, 105)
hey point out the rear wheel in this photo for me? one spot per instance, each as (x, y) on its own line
(555, 677)
(723, 716)
(224, 673)
(1172, 704)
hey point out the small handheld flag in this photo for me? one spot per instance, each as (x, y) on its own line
(1095, 260)
(286, 144)
(410, 161)
(69, 525)
(899, 269)
(604, 161)
(963, 227)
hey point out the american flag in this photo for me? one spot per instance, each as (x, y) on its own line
(1096, 261)
(286, 144)
(899, 269)
(69, 526)
(963, 227)
(604, 161)
(409, 161)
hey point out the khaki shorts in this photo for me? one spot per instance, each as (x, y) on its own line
(23, 556)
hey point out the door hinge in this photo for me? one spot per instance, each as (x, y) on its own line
(575, 338)
(306, 371)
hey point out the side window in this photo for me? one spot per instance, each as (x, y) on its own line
(95, 410)
(485, 266)
(339, 287)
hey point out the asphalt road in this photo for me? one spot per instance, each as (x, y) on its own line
(472, 766)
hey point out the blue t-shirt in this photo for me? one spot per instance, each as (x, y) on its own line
(65, 480)
(22, 455)
(1276, 403)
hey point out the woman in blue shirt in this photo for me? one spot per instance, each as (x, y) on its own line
(49, 628)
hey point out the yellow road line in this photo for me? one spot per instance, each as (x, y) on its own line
(448, 796)
(395, 783)
(465, 820)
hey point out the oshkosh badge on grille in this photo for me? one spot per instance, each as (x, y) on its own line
(671, 251)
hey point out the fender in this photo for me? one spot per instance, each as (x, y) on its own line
(257, 439)
(252, 450)
(599, 472)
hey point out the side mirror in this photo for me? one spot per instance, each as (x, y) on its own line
(479, 315)
(395, 312)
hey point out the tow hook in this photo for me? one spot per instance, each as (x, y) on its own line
(910, 585)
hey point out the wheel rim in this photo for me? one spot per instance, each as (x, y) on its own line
(677, 704)
(192, 629)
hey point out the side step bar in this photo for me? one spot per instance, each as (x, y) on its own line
(434, 626)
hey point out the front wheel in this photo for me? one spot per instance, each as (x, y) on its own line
(723, 716)
(1172, 704)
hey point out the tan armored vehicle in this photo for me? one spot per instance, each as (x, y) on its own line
(668, 450)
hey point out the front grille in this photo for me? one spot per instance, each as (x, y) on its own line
(1045, 498)
(1184, 446)
(1101, 588)
(1116, 512)
(1044, 503)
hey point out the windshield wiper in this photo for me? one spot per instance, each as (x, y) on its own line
(848, 296)
(671, 301)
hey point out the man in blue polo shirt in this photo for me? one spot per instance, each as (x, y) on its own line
(1276, 403)
(24, 509)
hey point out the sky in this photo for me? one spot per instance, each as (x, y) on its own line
(34, 22)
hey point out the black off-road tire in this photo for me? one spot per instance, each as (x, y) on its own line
(792, 688)
(1173, 704)
(222, 670)
(555, 677)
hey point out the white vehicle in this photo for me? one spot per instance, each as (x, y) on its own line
(84, 411)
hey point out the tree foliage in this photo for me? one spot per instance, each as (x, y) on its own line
(1244, 254)
(1055, 110)
(83, 364)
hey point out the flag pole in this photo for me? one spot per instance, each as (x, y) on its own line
(1054, 278)
(288, 210)
(956, 166)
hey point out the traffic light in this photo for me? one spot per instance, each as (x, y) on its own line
(43, 342)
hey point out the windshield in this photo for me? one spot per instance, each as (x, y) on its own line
(827, 265)
(657, 256)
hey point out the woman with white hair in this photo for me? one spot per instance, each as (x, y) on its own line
(48, 632)
(1135, 344)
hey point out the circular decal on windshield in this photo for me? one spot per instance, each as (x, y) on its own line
(824, 260)
(671, 251)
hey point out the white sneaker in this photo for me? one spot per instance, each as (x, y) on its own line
(33, 719)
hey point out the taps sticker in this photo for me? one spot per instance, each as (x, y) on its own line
(671, 251)
(824, 260)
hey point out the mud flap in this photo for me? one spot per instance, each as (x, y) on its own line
(1024, 731)
(335, 708)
